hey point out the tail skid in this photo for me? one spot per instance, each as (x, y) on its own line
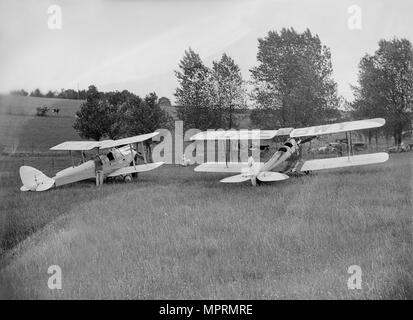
(34, 180)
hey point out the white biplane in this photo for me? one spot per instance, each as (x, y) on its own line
(119, 159)
(288, 157)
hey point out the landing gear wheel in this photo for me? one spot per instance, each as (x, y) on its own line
(127, 178)
(307, 172)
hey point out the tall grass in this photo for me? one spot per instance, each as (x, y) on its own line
(180, 234)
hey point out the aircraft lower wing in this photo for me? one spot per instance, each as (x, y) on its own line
(136, 169)
(230, 167)
(341, 162)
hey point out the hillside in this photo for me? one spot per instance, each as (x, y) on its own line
(22, 131)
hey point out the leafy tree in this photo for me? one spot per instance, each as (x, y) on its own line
(195, 94)
(230, 91)
(119, 114)
(164, 102)
(144, 115)
(293, 81)
(93, 120)
(385, 86)
(50, 94)
(36, 93)
(141, 116)
(116, 108)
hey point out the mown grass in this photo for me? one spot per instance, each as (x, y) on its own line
(179, 234)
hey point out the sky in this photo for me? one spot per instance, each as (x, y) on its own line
(137, 44)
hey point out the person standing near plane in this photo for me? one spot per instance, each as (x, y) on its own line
(99, 171)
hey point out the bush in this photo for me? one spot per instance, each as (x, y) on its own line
(42, 111)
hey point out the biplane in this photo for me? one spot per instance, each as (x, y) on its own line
(288, 158)
(114, 158)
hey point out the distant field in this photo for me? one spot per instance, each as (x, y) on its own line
(22, 131)
(179, 234)
(26, 106)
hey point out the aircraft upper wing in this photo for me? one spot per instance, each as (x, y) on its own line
(77, 145)
(114, 143)
(241, 134)
(89, 145)
(338, 127)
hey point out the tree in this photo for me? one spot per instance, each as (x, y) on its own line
(164, 102)
(195, 94)
(385, 86)
(50, 94)
(229, 90)
(116, 108)
(293, 81)
(144, 116)
(93, 120)
(36, 93)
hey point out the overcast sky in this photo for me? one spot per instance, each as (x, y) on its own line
(137, 44)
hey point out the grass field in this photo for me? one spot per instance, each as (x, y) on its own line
(179, 234)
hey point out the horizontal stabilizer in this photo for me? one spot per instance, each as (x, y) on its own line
(342, 162)
(136, 169)
(338, 127)
(230, 167)
(236, 178)
(34, 180)
(271, 176)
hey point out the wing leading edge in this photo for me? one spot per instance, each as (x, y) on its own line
(105, 144)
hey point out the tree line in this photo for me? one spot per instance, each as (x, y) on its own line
(63, 94)
(118, 114)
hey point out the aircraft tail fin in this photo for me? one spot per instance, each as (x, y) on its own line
(34, 180)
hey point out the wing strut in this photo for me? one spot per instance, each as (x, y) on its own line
(71, 158)
(133, 158)
(349, 145)
(144, 152)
